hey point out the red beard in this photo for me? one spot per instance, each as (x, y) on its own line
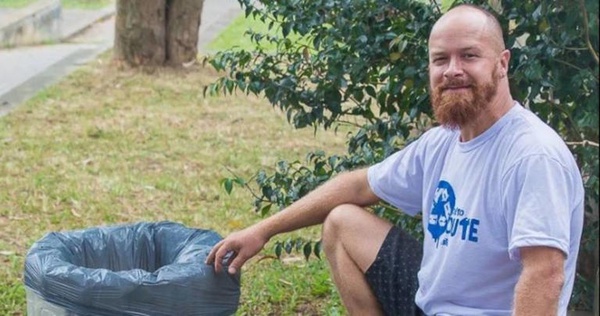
(456, 109)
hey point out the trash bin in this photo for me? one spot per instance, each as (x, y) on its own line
(134, 269)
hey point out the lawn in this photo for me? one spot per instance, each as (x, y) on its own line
(105, 147)
(85, 4)
(68, 4)
(15, 3)
(232, 38)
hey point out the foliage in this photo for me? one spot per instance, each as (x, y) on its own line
(361, 63)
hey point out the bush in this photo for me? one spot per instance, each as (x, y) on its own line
(362, 63)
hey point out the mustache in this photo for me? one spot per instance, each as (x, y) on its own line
(454, 83)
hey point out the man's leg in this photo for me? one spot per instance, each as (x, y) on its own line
(351, 240)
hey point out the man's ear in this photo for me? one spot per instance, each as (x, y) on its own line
(504, 62)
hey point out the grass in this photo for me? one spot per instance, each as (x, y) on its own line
(234, 36)
(15, 3)
(85, 4)
(105, 147)
(68, 4)
(108, 147)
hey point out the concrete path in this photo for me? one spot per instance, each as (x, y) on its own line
(25, 71)
(5, 12)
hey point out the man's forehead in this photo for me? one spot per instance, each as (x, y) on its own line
(439, 49)
(462, 29)
(457, 26)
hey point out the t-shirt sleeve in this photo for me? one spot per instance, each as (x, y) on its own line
(538, 196)
(398, 179)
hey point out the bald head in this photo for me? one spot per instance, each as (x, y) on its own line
(468, 64)
(470, 20)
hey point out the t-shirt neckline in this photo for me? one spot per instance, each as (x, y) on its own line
(487, 134)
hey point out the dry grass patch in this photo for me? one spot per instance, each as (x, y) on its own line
(106, 147)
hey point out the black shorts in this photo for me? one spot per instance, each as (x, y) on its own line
(393, 274)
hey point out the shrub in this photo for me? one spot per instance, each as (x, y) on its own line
(362, 64)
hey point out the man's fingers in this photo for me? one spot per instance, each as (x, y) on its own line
(211, 255)
(237, 263)
(219, 255)
(232, 252)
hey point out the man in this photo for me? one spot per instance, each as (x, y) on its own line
(501, 196)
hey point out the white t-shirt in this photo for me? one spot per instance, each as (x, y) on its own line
(515, 185)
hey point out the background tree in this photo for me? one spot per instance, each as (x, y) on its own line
(362, 64)
(157, 32)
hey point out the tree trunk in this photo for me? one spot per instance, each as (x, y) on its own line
(140, 32)
(157, 32)
(183, 24)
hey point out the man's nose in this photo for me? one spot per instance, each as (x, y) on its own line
(454, 68)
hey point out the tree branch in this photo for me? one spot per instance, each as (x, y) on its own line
(565, 47)
(571, 65)
(587, 31)
(584, 143)
(245, 184)
(437, 6)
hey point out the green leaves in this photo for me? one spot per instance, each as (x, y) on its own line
(290, 246)
(447, 4)
(291, 181)
(365, 62)
(228, 183)
(318, 83)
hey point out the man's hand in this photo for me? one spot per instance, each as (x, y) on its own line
(241, 246)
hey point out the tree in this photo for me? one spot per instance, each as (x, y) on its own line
(157, 32)
(361, 62)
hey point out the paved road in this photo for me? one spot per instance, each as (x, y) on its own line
(25, 71)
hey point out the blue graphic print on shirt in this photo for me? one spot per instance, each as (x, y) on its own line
(446, 220)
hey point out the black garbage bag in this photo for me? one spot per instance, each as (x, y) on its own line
(137, 269)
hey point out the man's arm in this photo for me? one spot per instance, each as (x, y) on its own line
(541, 281)
(346, 188)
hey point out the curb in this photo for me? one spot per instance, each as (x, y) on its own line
(46, 21)
(50, 75)
(84, 24)
(34, 24)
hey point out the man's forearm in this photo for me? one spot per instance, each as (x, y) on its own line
(346, 188)
(538, 292)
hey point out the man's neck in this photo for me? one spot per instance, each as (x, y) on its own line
(492, 113)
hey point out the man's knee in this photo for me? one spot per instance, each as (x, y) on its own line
(339, 217)
(336, 222)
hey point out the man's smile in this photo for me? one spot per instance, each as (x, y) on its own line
(457, 88)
